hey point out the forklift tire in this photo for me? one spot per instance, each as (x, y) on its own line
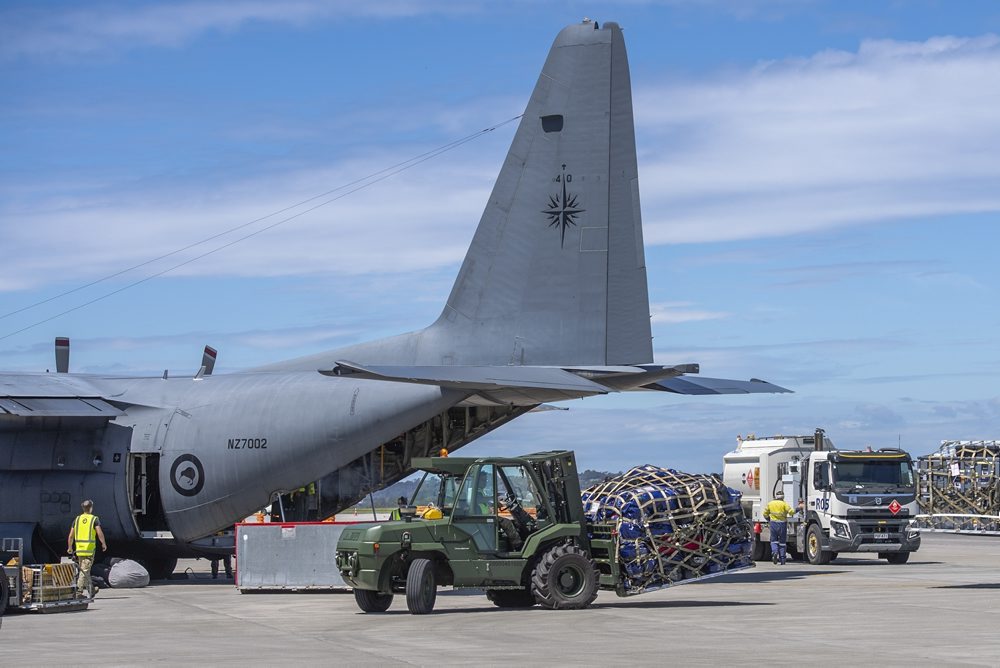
(372, 601)
(511, 598)
(565, 578)
(897, 557)
(4, 593)
(814, 547)
(421, 589)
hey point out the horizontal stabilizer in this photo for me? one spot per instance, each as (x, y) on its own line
(699, 385)
(473, 377)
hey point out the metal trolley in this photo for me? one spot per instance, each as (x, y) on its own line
(41, 587)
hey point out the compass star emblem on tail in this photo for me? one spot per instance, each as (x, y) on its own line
(563, 208)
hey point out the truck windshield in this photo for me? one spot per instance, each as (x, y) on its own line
(872, 474)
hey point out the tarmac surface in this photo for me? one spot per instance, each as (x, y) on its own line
(942, 608)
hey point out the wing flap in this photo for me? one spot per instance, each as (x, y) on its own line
(58, 407)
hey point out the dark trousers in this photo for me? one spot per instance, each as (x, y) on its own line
(227, 562)
(779, 537)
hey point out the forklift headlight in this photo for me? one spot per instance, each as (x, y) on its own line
(840, 529)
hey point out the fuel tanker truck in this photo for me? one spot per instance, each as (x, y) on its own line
(846, 500)
(521, 529)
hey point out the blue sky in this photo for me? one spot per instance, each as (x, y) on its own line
(818, 180)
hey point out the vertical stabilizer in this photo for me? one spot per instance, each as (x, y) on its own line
(556, 273)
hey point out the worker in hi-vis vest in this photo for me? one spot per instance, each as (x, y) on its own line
(82, 541)
(778, 512)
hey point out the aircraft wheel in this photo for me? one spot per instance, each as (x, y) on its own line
(897, 557)
(814, 546)
(372, 601)
(160, 569)
(565, 579)
(511, 598)
(421, 588)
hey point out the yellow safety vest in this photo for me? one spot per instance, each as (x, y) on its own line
(778, 510)
(85, 535)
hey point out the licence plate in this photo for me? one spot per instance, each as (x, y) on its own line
(880, 536)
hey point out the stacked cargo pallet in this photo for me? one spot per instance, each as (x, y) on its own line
(961, 478)
(672, 526)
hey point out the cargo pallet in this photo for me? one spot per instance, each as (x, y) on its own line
(38, 587)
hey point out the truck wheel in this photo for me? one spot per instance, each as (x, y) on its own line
(372, 601)
(897, 557)
(421, 589)
(4, 593)
(511, 598)
(565, 579)
(814, 546)
(759, 550)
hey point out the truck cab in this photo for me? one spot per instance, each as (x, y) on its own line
(858, 501)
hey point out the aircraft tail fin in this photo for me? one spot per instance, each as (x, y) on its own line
(556, 271)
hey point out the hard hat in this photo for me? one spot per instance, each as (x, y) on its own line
(432, 514)
(779, 494)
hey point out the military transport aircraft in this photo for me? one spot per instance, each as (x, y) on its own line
(550, 304)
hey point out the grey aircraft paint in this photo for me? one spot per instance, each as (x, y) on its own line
(550, 304)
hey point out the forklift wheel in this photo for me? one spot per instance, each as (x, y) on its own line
(421, 589)
(372, 601)
(565, 579)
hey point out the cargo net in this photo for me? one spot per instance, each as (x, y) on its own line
(671, 526)
(962, 478)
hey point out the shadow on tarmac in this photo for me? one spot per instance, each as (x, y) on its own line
(978, 585)
(882, 563)
(772, 575)
(677, 604)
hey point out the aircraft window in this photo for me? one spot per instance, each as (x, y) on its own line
(552, 123)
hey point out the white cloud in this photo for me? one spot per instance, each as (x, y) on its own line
(46, 33)
(676, 312)
(897, 129)
(410, 222)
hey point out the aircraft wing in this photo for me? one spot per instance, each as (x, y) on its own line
(52, 395)
(699, 385)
